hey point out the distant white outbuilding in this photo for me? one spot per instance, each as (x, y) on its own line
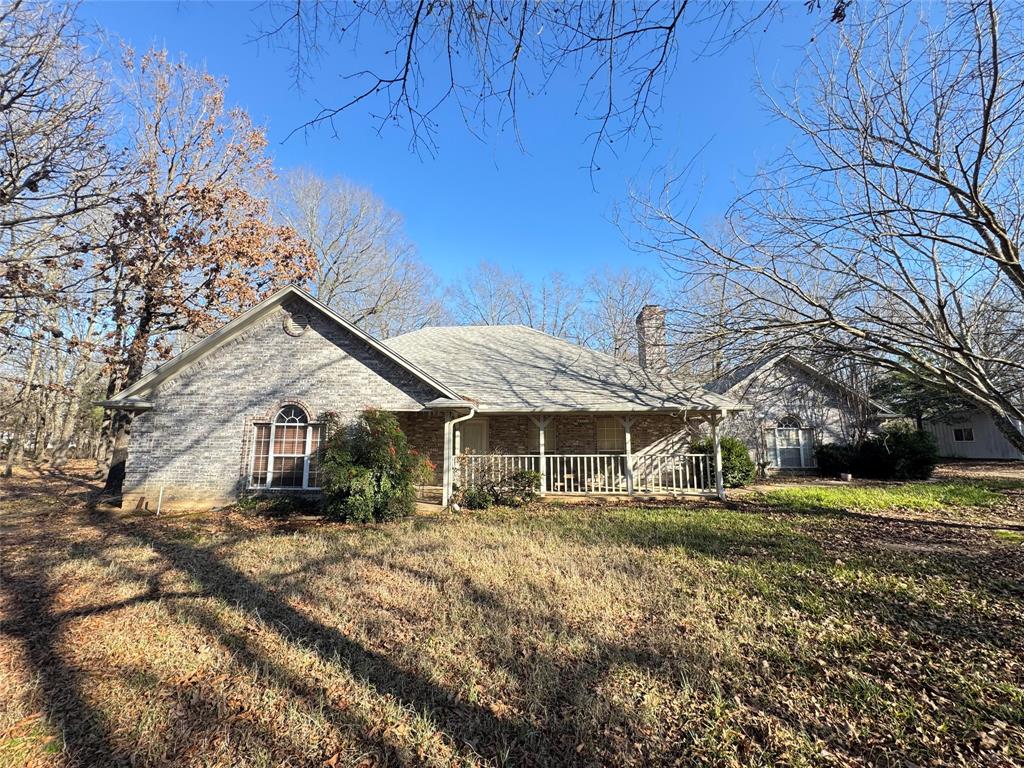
(971, 435)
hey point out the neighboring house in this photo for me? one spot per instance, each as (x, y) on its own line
(243, 410)
(970, 434)
(794, 408)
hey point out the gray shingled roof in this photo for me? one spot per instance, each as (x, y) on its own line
(515, 368)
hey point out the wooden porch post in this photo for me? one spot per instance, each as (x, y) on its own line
(717, 440)
(627, 425)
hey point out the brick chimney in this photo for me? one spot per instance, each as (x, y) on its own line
(650, 334)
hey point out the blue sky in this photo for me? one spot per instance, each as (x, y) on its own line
(533, 211)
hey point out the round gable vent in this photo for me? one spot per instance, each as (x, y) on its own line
(296, 324)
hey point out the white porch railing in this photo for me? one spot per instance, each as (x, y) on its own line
(674, 473)
(473, 469)
(598, 473)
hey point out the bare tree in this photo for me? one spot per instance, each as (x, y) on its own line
(55, 164)
(489, 295)
(488, 56)
(614, 299)
(892, 232)
(367, 269)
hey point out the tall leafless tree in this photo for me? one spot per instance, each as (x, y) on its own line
(614, 299)
(490, 295)
(367, 268)
(892, 232)
(55, 162)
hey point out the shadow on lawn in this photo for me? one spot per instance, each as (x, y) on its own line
(712, 531)
(550, 730)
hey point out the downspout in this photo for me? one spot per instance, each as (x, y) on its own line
(449, 458)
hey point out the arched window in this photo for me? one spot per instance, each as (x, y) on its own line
(794, 445)
(284, 451)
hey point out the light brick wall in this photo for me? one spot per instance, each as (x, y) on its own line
(195, 442)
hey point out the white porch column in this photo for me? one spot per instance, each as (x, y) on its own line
(627, 425)
(542, 424)
(446, 478)
(717, 440)
(451, 453)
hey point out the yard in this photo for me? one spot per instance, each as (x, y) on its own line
(794, 626)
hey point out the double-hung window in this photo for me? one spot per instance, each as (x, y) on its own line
(284, 451)
(794, 444)
(611, 435)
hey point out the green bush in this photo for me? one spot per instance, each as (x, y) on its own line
(512, 490)
(737, 467)
(474, 497)
(368, 471)
(835, 458)
(898, 453)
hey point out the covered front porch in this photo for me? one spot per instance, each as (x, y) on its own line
(572, 452)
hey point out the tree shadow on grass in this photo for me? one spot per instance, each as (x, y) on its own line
(713, 532)
(554, 726)
(33, 621)
(468, 726)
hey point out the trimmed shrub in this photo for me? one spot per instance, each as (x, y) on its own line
(368, 472)
(898, 453)
(512, 490)
(737, 467)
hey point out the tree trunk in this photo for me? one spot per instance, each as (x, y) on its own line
(17, 446)
(120, 431)
(1010, 428)
(121, 421)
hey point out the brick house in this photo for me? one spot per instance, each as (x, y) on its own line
(241, 411)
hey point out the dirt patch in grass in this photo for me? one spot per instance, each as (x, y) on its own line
(757, 633)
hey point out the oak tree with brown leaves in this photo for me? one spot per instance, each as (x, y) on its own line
(194, 241)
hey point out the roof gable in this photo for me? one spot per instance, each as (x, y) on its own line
(134, 395)
(732, 384)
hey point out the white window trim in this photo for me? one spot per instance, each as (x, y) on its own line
(619, 449)
(270, 458)
(805, 444)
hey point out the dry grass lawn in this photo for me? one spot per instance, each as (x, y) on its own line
(779, 630)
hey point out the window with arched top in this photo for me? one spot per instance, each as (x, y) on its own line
(284, 451)
(793, 444)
